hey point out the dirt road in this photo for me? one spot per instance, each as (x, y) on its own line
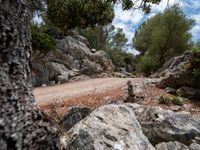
(87, 89)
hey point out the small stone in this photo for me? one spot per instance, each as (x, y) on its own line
(93, 50)
(170, 90)
(52, 83)
(44, 85)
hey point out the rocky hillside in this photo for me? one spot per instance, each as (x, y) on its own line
(181, 75)
(73, 59)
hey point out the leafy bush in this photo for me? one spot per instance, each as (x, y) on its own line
(120, 58)
(195, 62)
(43, 42)
(164, 100)
(176, 100)
(146, 65)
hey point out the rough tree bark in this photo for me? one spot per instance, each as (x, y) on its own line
(22, 125)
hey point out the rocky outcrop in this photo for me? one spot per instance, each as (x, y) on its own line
(73, 57)
(74, 115)
(133, 127)
(108, 127)
(189, 92)
(171, 146)
(165, 125)
(176, 73)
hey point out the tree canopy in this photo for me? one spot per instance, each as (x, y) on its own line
(68, 14)
(164, 36)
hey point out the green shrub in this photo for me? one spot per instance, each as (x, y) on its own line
(167, 100)
(146, 65)
(195, 62)
(164, 100)
(43, 42)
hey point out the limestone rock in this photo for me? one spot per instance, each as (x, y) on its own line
(189, 92)
(72, 57)
(73, 116)
(171, 146)
(89, 67)
(195, 146)
(93, 50)
(161, 125)
(108, 127)
(170, 90)
(176, 74)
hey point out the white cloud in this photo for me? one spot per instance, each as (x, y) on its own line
(194, 4)
(196, 32)
(196, 17)
(130, 20)
(127, 16)
(162, 5)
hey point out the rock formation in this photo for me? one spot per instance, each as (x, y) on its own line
(177, 74)
(73, 57)
(108, 127)
(133, 127)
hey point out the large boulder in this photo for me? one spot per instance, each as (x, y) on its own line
(189, 92)
(72, 57)
(73, 116)
(176, 73)
(172, 146)
(108, 127)
(89, 67)
(161, 125)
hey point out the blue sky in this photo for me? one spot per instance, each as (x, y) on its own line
(129, 21)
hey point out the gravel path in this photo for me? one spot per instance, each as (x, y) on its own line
(45, 95)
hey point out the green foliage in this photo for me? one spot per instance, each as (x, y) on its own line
(112, 41)
(195, 50)
(165, 35)
(98, 36)
(119, 40)
(164, 100)
(196, 45)
(68, 14)
(43, 42)
(195, 62)
(146, 65)
(167, 100)
(120, 58)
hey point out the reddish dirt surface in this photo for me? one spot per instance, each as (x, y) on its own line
(96, 92)
(92, 93)
(150, 94)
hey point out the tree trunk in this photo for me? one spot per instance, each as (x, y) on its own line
(22, 125)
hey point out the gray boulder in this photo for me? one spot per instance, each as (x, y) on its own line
(170, 90)
(176, 74)
(72, 57)
(172, 146)
(161, 125)
(110, 127)
(73, 116)
(195, 146)
(189, 92)
(89, 67)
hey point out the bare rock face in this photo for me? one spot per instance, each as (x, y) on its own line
(176, 74)
(108, 127)
(74, 115)
(189, 92)
(172, 146)
(73, 57)
(161, 125)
